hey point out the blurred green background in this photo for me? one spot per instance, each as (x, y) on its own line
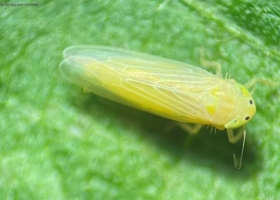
(58, 142)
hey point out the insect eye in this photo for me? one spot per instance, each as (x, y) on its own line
(251, 102)
(247, 118)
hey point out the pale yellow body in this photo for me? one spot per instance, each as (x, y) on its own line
(164, 87)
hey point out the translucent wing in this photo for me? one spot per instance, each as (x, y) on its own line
(161, 86)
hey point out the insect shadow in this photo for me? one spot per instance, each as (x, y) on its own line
(207, 148)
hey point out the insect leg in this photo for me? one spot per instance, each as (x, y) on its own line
(235, 160)
(233, 138)
(210, 64)
(162, 5)
(251, 83)
(191, 129)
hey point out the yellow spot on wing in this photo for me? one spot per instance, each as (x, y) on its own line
(211, 109)
(213, 100)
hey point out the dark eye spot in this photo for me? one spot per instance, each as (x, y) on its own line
(247, 118)
(251, 102)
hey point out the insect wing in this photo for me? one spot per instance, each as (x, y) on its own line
(161, 86)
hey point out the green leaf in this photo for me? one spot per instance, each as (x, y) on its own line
(58, 142)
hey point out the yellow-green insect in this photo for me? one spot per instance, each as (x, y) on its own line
(164, 87)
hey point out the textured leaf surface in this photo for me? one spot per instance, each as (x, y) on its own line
(58, 142)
